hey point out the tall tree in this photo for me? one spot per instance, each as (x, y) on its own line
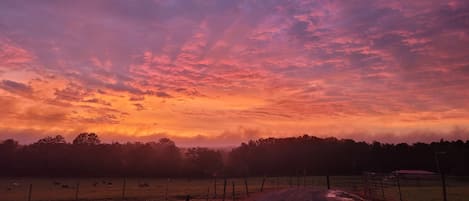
(87, 139)
(58, 139)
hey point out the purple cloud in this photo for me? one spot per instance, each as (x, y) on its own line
(16, 88)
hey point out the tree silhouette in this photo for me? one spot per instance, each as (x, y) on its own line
(87, 139)
(203, 161)
(166, 142)
(52, 156)
(58, 139)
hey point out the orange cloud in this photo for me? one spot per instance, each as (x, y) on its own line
(278, 68)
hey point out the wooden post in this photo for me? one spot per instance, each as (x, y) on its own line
(123, 188)
(208, 193)
(399, 187)
(443, 185)
(304, 178)
(188, 198)
(233, 183)
(297, 180)
(443, 179)
(277, 185)
(246, 186)
(76, 190)
(328, 182)
(262, 185)
(215, 188)
(224, 189)
(30, 192)
(166, 190)
(365, 184)
(382, 188)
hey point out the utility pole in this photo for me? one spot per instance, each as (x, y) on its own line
(442, 174)
(328, 183)
(399, 186)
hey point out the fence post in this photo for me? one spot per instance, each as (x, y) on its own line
(233, 183)
(166, 190)
(443, 184)
(297, 179)
(208, 193)
(399, 187)
(224, 189)
(76, 190)
(123, 188)
(304, 178)
(188, 198)
(382, 188)
(365, 184)
(262, 185)
(246, 185)
(277, 184)
(328, 182)
(30, 192)
(215, 188)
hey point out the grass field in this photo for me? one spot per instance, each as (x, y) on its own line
(17, 189)
(430, 191)
(427, 189)
(104, 188)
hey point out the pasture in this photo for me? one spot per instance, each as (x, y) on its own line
(55, 189)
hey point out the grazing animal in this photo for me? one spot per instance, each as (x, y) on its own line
(109, 183)
(95, 184)
(56, 183)
(65, 186)
(13, 185)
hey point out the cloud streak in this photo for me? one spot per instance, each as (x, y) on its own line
(16, 88)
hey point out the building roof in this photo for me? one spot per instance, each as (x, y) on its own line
(413, 172)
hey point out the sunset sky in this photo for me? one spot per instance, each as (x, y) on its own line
(216, 73)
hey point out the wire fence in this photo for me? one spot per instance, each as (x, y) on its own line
(372, 186)
(395, 187)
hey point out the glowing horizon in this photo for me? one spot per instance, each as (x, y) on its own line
(222, 72)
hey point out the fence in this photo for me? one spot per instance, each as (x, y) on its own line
(390, 187)
(38, 189)
(372, 186)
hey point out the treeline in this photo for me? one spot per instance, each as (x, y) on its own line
(87, 156)
(321, 156)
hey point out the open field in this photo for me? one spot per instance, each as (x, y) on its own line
(102, 188)
(425, 189)
(430, 191)
(17, 189)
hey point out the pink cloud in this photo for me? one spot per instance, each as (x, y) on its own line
(286, 61)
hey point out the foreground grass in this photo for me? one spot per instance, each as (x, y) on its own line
(17, 189)
(105, 188)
